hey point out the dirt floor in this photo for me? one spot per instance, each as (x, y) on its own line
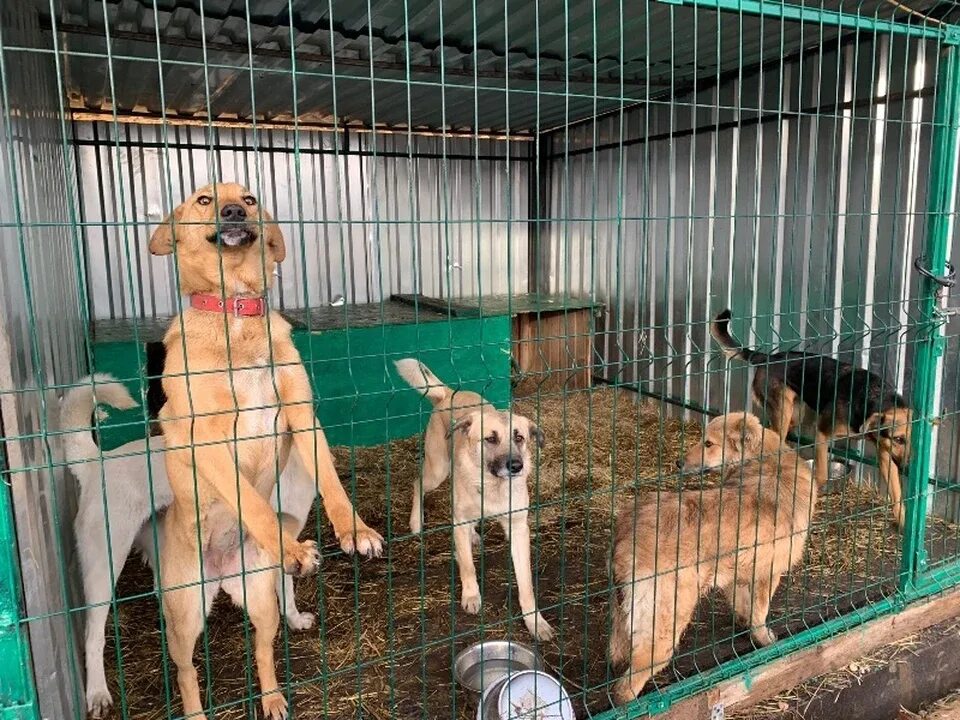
(947, 708)
(392, 627)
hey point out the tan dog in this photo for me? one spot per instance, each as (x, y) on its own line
(740, 537)
(237, 396)
(491, 460)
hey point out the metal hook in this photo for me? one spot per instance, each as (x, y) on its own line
(947, 281)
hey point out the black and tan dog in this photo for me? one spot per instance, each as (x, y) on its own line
(847, 400)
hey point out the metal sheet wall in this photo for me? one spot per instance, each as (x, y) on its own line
(40, 346)
(795, 196)
(364, 215)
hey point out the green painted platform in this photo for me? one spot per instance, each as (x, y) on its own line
(348, 352)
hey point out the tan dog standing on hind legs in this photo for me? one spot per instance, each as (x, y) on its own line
(491, 460)
(238, 397)
(741, 537)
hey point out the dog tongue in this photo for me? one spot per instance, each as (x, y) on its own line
(234, 236)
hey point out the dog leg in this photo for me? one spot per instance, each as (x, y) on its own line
(297, 400)
(254, 590)
(216, 466)
(781, 413)
(518, 532)
(469, 588)
(435, 471)
(296, 620)
(750, 599)
(821, 460)
(652, 647)
(183, 608)
(91, 532)
(891, 477)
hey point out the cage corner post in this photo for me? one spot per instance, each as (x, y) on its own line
(944, 171)
(18, 699)
(538, 201)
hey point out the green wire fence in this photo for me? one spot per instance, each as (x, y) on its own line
(546, 203)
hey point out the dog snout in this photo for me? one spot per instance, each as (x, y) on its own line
(233, 213)
(515, 465)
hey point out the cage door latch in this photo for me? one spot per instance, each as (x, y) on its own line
(947, 280)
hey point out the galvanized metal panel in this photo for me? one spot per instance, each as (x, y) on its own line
(364, 216)
(805, 223)
(41, 332)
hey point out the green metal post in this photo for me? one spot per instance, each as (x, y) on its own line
(18, 697)
(930, 342)
(816, 15)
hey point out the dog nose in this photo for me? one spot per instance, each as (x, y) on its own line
(233, 213)
(515, 465)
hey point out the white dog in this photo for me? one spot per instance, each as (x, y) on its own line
(131, 496)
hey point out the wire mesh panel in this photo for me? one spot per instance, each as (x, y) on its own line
(616, 335)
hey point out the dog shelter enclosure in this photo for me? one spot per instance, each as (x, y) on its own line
(544, 201)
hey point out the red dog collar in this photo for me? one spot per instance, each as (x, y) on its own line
(236, 306)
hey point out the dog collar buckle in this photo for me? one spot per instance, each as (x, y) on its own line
(236, 306)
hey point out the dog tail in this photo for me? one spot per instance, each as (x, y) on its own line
(76, 413)
(720, 330)
(418, 376)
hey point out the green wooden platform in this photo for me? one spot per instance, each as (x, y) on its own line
(349, 353)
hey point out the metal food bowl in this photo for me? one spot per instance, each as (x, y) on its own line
(532, 695)
(484, 663)
(487, 709)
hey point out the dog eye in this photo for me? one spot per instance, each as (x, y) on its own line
(204, 199)
(708, 444)
(900, 440)
(492, 439)
(250, 200)
(518, 438)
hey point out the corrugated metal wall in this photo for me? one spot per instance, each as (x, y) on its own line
(795, 196)
(40, 332)
(371, 216)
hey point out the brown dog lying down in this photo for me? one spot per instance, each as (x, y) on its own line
(238, 397)
(741, 537)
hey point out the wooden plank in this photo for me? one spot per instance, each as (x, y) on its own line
(553, 350)
(825, 657)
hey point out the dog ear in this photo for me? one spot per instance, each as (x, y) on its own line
(537, 434)
(274, 237)
(463, 424)
(872, 424)
(161, 242)
(747, 434)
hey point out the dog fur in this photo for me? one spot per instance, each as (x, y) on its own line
(741, 537)
(491, 459)
(847, 401)
(132, 484)
(238, 396)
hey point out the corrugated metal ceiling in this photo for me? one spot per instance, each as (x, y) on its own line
(457, 64)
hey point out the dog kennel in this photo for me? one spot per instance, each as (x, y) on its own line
(546, 202)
